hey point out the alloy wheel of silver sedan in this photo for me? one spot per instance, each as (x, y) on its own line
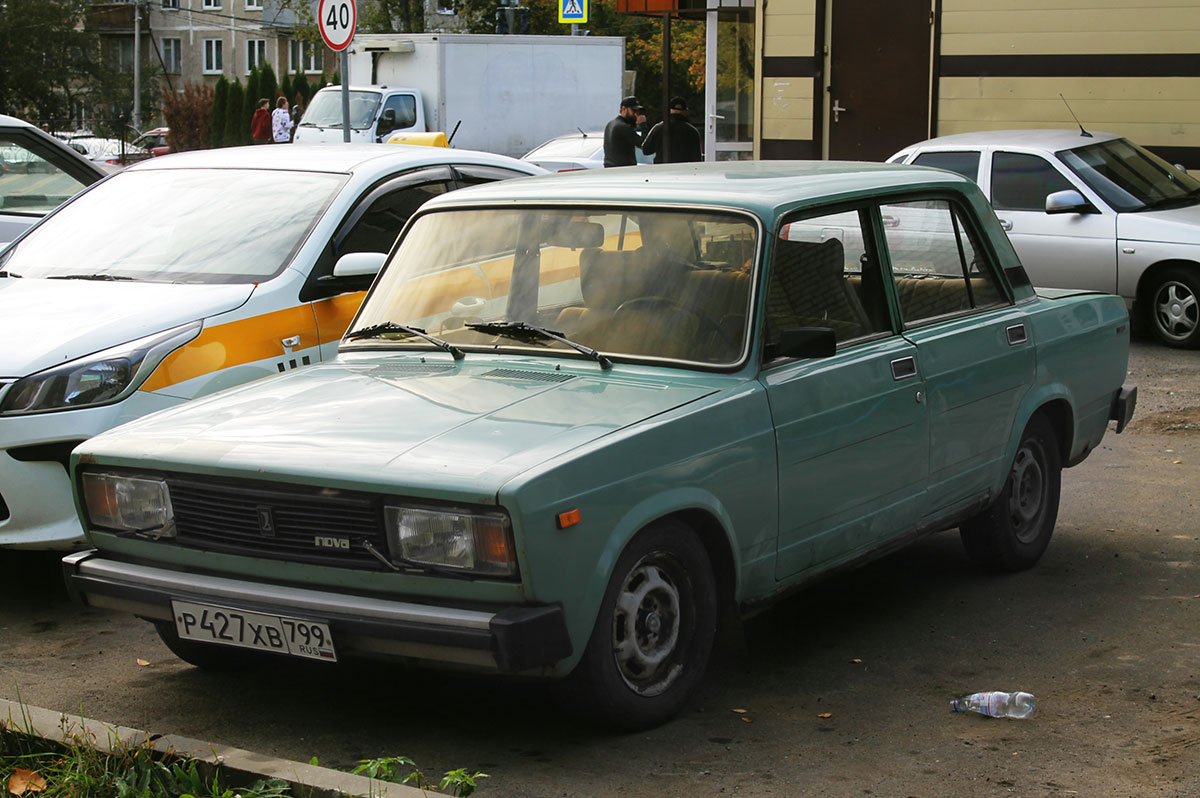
(1175, 310)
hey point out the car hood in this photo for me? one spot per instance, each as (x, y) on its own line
(1176, 225)
(441, 431)
(44, 323)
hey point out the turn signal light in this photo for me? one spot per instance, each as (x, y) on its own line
(569, 518)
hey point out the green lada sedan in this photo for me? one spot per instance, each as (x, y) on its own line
(579, 419)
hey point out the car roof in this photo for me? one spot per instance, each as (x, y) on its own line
(338, 158)
(764, 187)
(12, 121)
(1051, 140)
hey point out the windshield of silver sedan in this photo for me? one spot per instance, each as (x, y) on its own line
(179, 225)
(626, 283)
(1131, 178)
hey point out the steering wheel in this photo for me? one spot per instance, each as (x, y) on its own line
(668, 305)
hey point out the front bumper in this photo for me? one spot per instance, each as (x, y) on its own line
(510, 640)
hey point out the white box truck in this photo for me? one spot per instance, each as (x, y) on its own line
(497, 93)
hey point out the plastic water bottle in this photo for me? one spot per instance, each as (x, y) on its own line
(995, 704)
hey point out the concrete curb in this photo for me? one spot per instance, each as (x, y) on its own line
(308, 781)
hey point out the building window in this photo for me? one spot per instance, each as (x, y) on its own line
(212, 56)
(172, 55)
(211, 4)
(445, 6)
(305, 57)
(171, 4)
(120, 54)
(256, 53)
(254, 5)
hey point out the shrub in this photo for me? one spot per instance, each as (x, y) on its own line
(188, 113)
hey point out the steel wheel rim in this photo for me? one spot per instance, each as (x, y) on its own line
(1175, 310)
(647, 625)
(1027, 493)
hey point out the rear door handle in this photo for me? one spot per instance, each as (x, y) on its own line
(1016, 334)
(1006, 224)
(903, 368)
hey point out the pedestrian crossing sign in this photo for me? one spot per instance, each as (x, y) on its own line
(572, 11)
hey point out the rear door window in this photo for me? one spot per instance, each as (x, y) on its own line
(966, 163)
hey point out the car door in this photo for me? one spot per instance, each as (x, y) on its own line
(974, 345)
(37, 174)
(850, 430)
(1067, 250)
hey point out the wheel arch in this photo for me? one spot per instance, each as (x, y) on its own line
(715, 538)
(1151, 273)
(1062, 420)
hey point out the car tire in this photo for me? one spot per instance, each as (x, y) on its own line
(654, 633)
(1173, 307)
(209, 657)
(1013, 532)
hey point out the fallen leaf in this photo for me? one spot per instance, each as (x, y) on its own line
(22, 781)
(825, 715)
(143, 662)
(747, 720)
(1177, 462)
(740, 711)
(856, 661)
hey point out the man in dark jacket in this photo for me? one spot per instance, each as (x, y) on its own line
(621, 135)
(683, 137)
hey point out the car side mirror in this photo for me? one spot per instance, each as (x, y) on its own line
(387, 121)
(356, 264)
(804, 342)
(1069, 201)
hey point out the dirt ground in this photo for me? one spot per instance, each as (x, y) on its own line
(1105, 632)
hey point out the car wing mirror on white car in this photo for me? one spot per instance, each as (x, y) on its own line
(356, 264)
(1069, 201)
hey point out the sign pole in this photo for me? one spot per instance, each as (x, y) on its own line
(345, 59)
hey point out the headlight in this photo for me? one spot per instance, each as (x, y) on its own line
(139, 505)
(480, 542)
(99, 379)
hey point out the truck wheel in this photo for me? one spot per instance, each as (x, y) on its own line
(1013, 532)
(1173, 309)
(653, 635)
(207, 656)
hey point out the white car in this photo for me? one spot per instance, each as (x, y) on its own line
(575, 151)
(180, 276)
(109, 154)
(1089, 210)
(37, 173)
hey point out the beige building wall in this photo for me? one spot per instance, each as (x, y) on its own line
(787, 69)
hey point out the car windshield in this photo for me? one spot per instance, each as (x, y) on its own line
(1129, 178)
(569, 147)
(30, 184)
(325, 110)
(179, 225)
(663, 285)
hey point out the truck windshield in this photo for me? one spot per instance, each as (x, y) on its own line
(192, 225)
(1129, 177)
(325, 110)
(635, 283)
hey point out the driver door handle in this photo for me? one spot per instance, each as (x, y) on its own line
(1006, 224)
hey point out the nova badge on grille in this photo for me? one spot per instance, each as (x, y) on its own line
(322, 542)
(266, 521)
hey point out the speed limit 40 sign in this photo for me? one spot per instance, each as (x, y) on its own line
(337, 20)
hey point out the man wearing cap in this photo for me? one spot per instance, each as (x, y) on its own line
(621, 135)
(683, 137)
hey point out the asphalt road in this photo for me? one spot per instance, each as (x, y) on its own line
(1105, 632)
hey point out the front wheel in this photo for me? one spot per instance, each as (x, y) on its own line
(1013, 532)
(1173, 310)
(653, 635)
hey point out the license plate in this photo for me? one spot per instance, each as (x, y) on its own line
(226, 626)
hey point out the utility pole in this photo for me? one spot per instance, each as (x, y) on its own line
(137, 65)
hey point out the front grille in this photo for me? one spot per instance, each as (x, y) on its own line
(283, 522)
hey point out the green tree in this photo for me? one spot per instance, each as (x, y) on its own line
(235, 132)
(285, 89)
(220, 101)
(251, 98)
(267, 86)
(394, 16)
(300, 90)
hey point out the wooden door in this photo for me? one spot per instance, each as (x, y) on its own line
(879, 77)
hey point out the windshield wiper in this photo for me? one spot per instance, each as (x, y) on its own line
(376, 330)
(528, 332)
(97, 276)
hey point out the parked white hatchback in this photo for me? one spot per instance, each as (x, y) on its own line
(180, 276)
(1089, 210)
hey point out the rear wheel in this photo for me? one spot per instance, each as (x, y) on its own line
(653, 636)
(1013, 532)
(1173, 309)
